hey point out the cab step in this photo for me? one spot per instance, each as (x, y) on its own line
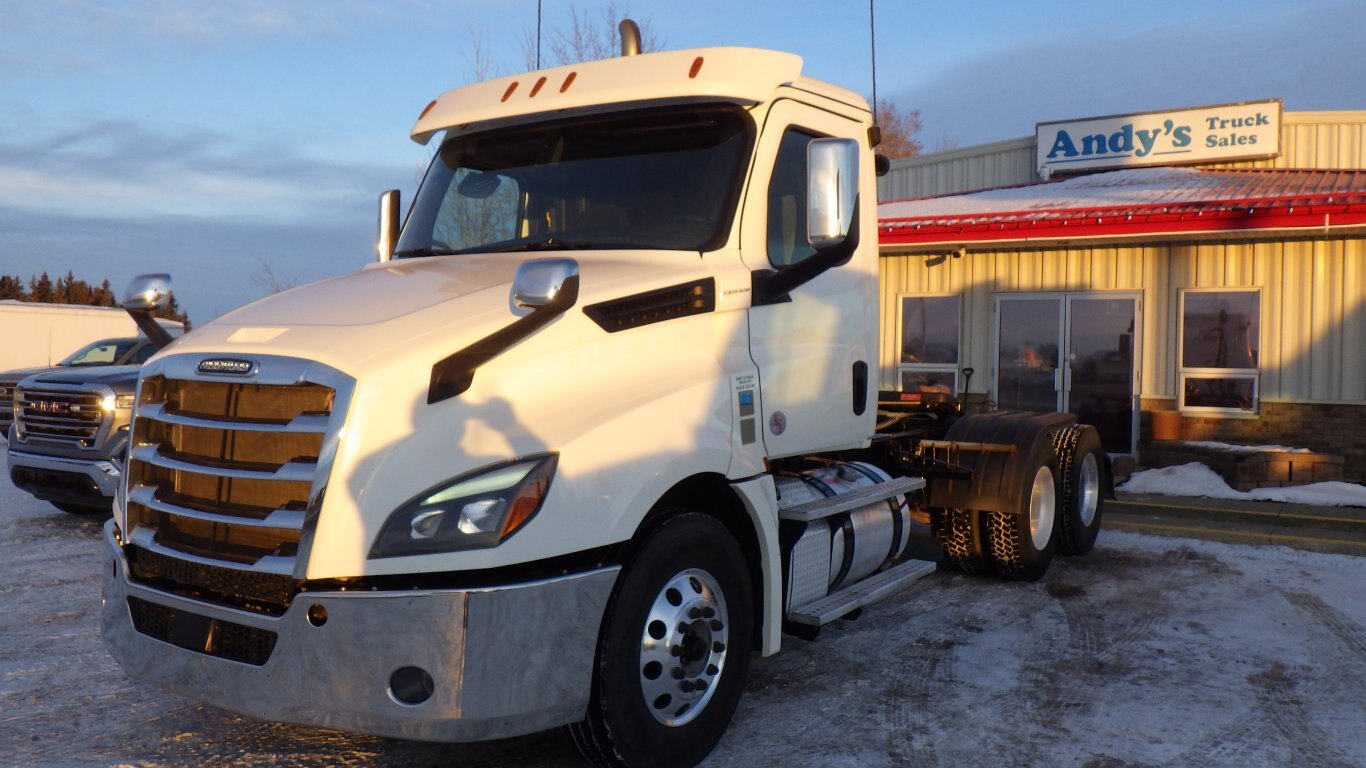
(818, 613)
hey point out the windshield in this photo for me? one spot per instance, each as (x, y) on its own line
(659, 178)
(102, 352)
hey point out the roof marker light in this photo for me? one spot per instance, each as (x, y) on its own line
(568, 81)
(535, 89)
(696, 67)
(427, 109)
(508, 93)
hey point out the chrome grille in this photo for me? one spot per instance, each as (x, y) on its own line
(7, 401)
(60, 415)
(222, 475)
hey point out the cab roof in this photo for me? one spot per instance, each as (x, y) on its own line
(740, 75)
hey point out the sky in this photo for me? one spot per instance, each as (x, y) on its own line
(242, 144)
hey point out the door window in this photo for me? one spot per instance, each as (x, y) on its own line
(787, 243)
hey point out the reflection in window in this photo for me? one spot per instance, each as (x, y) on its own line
(929, 344)
(1220, 351)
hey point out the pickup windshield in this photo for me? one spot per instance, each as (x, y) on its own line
(665, 178)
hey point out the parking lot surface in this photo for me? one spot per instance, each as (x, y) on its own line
(1148, 652)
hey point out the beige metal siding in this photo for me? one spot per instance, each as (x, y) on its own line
(1308, 140)
(1313, 330)
(1002, 164)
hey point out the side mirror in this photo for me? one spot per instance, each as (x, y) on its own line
(539, 281)
(147, 293)
(388, 224)
(832, 186)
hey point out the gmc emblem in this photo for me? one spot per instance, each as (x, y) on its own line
(227, 366)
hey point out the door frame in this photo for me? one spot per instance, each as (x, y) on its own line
(1064, 380)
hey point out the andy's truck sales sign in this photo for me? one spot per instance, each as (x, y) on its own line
(1202, 134)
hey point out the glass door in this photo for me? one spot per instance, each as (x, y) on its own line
(1100, 366)
(1071, 352)
(1029, 342)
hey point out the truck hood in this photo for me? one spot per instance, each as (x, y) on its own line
(120, 378)
(403, 312)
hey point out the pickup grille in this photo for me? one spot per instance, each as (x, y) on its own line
(6, 402)
(220, 479)
(68, 416)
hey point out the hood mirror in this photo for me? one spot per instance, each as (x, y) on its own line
(145, 294)
(539, 281)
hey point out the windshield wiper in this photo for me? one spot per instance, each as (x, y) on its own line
(406, 252)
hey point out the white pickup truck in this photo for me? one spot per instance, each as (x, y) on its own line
(601, 422)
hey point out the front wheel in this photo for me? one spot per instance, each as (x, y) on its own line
(674, 649)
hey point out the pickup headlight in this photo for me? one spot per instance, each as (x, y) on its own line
(117, 402)
(473, 511)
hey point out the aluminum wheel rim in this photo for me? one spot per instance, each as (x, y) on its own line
(1043, 500)
(683, 647)
(1088, 478)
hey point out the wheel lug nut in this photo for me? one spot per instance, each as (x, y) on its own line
(678, 673)
(696, 613)
(708, 612)
(686, 686)
(711, 669)
(699, 684)
(717, 647)
(682, 627)
(676, 650)
(716, 625)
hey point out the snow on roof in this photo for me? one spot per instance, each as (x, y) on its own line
(1134, 201)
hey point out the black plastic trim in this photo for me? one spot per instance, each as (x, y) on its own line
(770, 287)
(454, 374)
(695, 298)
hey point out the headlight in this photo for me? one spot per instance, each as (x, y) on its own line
(117, 402)
(473, 511)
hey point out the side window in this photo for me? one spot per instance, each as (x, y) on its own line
(929, 344)
(1220, 363)
(787, 202)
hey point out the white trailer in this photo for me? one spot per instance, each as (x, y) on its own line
(34, 335)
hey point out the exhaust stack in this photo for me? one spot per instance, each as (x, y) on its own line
(630, 37)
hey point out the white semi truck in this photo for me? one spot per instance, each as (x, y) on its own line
(601, 422)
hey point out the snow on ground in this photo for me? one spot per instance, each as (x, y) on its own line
(1231, 448)
(1196, 479)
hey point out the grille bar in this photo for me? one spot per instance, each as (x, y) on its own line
(146, 539)
(69, 416)
(293, 471)
(292, 519)
(315, 423)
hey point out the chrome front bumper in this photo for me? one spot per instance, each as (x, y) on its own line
(104, 475)
(505, 661)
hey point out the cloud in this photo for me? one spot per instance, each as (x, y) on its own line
(212, 262)
(1163, 66)
(119, 168)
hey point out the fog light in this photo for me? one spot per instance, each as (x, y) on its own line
(411, 686)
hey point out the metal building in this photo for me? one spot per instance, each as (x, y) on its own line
(1207, 261)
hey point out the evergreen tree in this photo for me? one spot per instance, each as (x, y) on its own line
(41, 289)
(12, 287)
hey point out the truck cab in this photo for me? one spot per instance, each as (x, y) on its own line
(528, 468)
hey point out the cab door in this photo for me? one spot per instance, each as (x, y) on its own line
(816, 353)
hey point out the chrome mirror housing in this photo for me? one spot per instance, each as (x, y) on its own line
(539, 281)
(148, 292)
(832, 186)
(388, 225)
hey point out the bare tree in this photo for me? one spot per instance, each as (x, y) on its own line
(589, 40)
(265, 278)
(899, 130)
(945, 143)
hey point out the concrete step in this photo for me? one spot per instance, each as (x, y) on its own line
(1339, 530)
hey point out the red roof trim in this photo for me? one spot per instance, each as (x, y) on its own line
(1297, 212)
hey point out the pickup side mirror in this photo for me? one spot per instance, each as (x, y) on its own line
(832, 220)
(147, 293)
(388, 225)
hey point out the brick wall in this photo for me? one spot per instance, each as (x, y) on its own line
(1336, 430)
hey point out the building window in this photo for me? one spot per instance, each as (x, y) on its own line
(1220, 352)
(929, 344)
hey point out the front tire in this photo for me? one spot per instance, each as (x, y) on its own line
(674, 649)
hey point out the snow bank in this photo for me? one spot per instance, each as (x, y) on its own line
(1196, 479)
(1230, 448)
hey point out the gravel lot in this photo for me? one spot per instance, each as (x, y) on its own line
(1148, 652)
